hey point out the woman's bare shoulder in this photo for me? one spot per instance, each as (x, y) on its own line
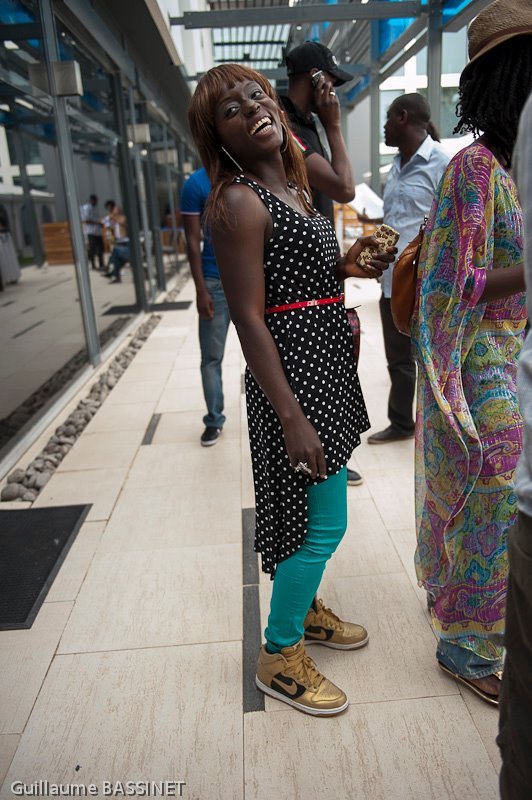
(244, 208)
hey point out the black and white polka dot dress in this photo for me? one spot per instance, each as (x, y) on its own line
(315, 346)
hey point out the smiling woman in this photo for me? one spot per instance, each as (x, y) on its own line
(215, 104)
(278, 263)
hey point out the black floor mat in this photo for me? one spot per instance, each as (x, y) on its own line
(33, 544)
(178, 305)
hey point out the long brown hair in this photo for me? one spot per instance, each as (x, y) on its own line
(220, 169)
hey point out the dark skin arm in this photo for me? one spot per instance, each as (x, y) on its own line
(502, 283)
(240, 258)
(192, 225)
(347, 266)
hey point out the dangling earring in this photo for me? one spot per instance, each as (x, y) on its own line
(235, 162)
(286, 134)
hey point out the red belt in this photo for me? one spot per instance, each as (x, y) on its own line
(322, 301)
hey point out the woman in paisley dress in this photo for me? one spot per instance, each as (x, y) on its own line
(467, 333)
(278, 263)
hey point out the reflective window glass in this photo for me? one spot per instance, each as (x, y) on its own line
(454, 51)
(449, 99)
(41, 334)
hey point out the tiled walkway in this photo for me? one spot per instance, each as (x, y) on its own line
(133, 668)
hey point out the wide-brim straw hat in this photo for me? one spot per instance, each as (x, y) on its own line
(500, 21)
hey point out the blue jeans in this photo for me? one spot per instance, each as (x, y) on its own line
(119, 257)
(297, 577)
(465, 662)
(212, 336)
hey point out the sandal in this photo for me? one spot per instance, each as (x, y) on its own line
(486, 696)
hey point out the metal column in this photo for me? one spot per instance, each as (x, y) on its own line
(182, 157)
(374, 103)
(128, 195)
(153, 209)
(434, 52)
(168, 175)
(374, 132)
(66, 160)
(141, 190)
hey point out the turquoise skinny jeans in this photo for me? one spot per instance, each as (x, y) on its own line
(297, 577)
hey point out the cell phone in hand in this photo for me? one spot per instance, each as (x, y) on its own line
(315, 79)
(386, 236)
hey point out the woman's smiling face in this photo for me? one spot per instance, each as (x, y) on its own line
(248, 121)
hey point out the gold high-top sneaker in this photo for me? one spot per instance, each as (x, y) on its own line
(292, 677)
(324, 627)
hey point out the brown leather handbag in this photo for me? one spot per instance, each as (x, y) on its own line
(404, 281)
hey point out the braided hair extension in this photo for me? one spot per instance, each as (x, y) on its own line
(493, 91)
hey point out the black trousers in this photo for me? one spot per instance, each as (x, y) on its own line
(515, 724)
(95, 249)
(402, 369)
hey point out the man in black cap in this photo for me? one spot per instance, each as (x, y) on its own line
(307, 95)
(313, 72)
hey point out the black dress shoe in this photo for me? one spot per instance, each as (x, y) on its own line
(354, 478)
(389, 434)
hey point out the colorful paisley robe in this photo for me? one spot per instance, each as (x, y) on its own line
(468, 428)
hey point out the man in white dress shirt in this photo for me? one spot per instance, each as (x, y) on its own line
(410, 189)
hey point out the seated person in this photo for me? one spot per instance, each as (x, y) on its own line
(120, 253)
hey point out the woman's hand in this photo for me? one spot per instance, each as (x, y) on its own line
(347, 266)
(303, 446)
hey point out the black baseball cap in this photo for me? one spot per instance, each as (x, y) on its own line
(313, 55)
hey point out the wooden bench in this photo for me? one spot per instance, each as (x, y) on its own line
(57, 243)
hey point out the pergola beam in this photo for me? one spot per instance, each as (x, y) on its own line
(389, 70)
(285, 15)
(248, 42)
(464, 17)
(397, 47)
(245, 60)
(279, 73)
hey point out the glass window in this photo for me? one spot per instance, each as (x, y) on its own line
(454, 51)
(449, 99)
(96, 164)
(386, 99)
(30, 148)
(167, 178)
(421, 62)
(41, 333)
